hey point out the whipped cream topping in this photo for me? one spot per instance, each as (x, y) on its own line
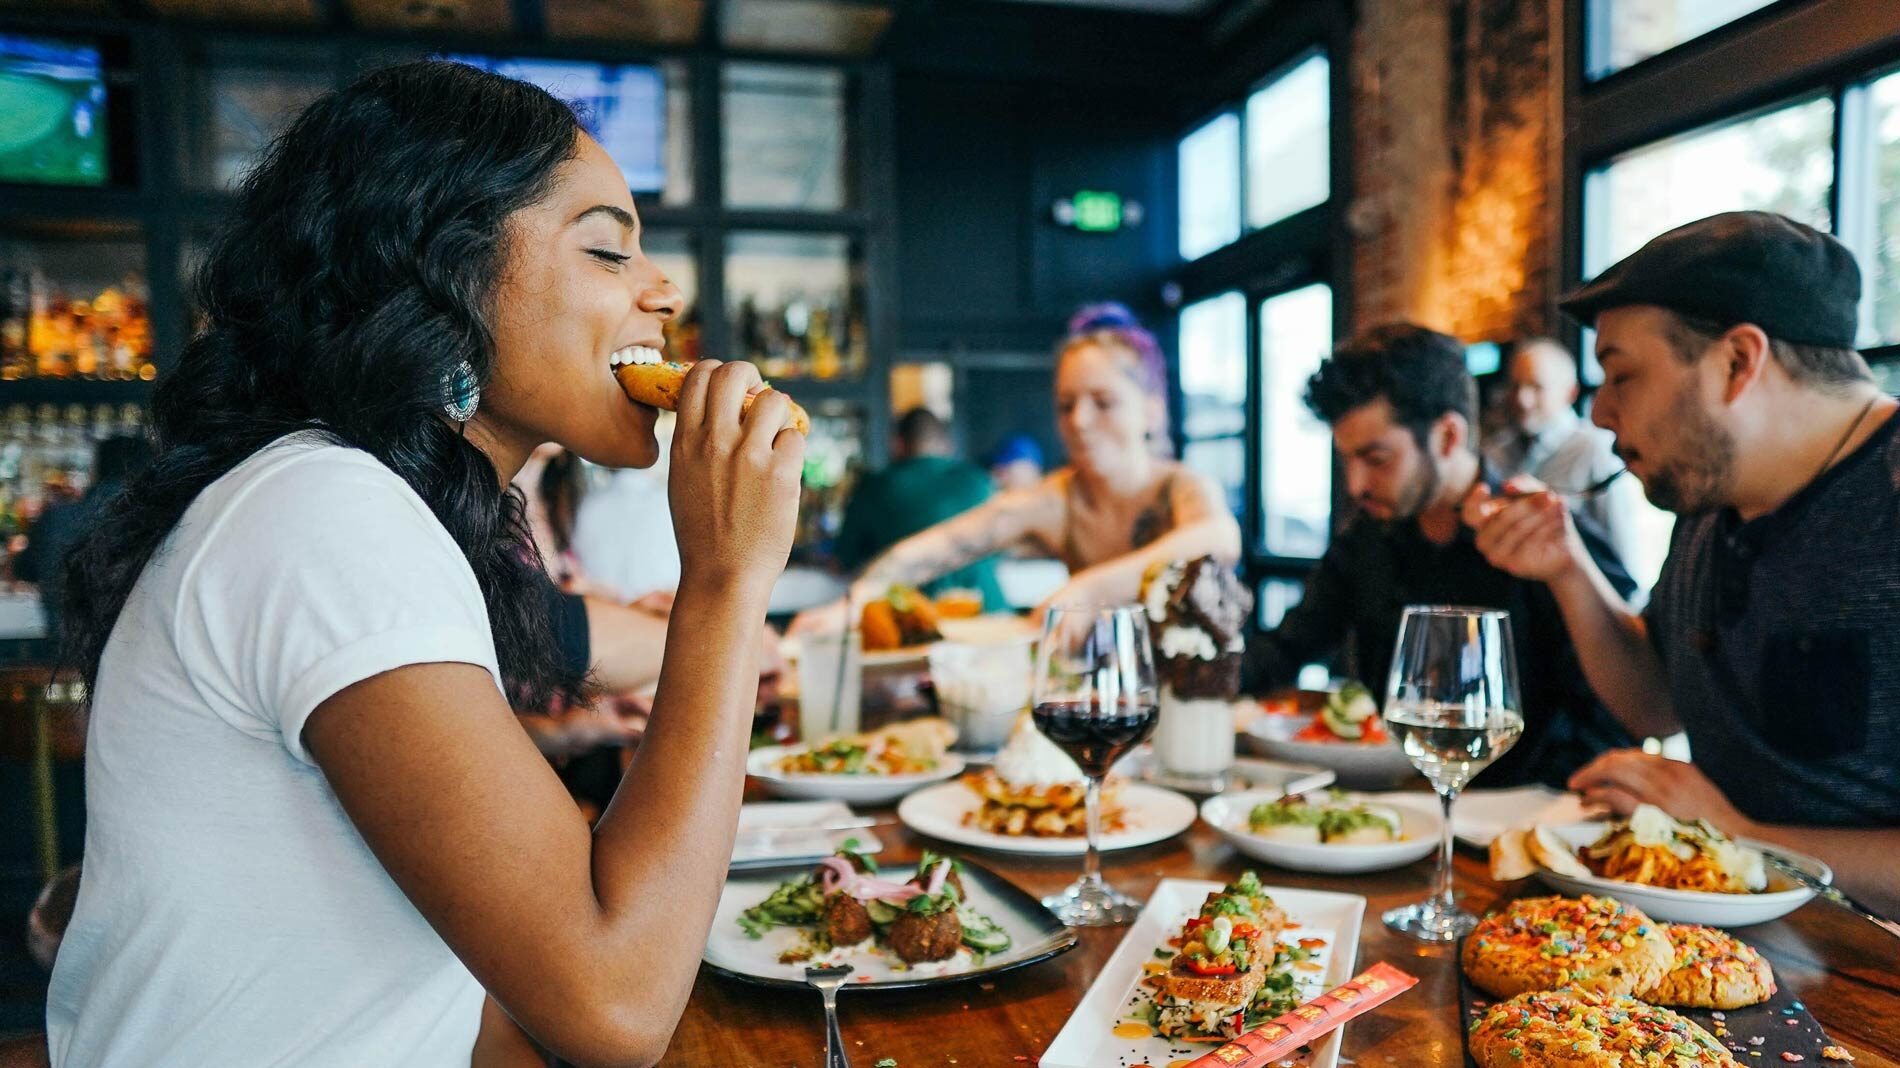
(1158, 588)
(1029, 758)
(1179, 641)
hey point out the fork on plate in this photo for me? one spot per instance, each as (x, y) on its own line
(828, 980)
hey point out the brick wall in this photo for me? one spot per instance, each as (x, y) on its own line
(1456, 190)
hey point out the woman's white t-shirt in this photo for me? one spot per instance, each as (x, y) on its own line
(229, 913)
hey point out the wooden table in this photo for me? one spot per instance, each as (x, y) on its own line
(1847, 972)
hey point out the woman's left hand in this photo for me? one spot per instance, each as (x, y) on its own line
(1624, 778)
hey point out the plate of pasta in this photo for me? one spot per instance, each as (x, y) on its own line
(1674, 871)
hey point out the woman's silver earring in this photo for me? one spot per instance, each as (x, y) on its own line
(463, 392)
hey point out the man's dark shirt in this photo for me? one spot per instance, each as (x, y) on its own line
(1781, 639)
(1374, 569)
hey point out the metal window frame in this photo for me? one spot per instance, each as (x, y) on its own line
(1310, 246)
(163, 202)
(1830, 47)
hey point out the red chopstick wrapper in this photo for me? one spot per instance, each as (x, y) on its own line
(1280, 1036)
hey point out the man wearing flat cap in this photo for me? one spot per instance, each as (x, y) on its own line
(1773, 636)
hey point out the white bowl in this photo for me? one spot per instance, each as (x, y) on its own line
(1419, 824)
(857, 789)
(1783, 895)
(1363, 764)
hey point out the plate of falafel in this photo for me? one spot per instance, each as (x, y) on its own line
(942, 920)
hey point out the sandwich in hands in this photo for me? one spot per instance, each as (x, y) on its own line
(650, 380)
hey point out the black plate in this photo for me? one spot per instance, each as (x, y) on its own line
(1047, 937)
(1769, 1021)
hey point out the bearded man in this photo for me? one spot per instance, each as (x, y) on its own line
(1403, 410)
(1773, 636)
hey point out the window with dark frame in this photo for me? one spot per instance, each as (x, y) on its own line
(1820, 142)
(1251, 172)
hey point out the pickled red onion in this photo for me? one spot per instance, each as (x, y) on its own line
(836, 874)
(884, 890)
(937, 876)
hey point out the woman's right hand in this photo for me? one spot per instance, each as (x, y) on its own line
(733, 487)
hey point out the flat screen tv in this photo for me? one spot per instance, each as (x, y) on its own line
(52, 112)
(622, 105)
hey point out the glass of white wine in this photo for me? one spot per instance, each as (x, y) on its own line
(1452, 703)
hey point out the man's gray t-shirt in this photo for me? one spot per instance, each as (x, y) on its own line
(1781, 640)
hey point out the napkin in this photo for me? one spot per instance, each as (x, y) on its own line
(1481, 815)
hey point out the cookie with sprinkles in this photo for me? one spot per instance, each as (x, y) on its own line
(1712, 970)
(1555, 943)
(1578, 1029)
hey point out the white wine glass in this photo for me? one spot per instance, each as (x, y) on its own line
(1095, 698)
(1452, 703)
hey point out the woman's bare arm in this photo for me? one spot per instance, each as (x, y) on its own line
(624, 644)
(990, 527)
(1202, 527)
(589, 940)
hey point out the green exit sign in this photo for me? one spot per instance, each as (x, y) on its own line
(1097, 213)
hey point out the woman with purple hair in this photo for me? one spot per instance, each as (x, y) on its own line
(1120, 505)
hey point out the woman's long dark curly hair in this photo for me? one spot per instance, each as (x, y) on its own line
(358, 273)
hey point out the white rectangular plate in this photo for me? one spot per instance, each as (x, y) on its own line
(800, 842)
(1088, 1040)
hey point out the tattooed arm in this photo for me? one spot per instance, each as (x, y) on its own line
(990, 527)
(1202, 527)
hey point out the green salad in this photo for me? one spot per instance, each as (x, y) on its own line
(1326, 818)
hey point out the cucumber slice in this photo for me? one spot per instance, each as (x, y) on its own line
(981, 935)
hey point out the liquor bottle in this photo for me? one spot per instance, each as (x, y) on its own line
(77, 455)
(824, 350)
(16, 304)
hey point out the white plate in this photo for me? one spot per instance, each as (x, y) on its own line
(1248, 773)
(1035, 934)
(1088, 1039)
(996, 628)
(1150, 814)
(857, 789)
(1481, 815)
(800, 841)
(1783, 895)
(1418, 817)
(1357, 763)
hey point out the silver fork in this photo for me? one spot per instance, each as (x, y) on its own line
(828, 980)
(1829, 893)
(1583, 494)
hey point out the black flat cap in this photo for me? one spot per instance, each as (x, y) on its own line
(1795, 282)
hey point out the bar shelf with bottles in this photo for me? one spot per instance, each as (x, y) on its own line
(797, 302)
(75, 309)
(47, 455)
(834, 458)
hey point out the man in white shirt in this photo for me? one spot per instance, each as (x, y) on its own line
(1546, 439)
(623, 531)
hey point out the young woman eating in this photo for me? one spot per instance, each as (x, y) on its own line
(315, 833)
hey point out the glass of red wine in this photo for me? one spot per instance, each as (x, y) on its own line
(1095, 698)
